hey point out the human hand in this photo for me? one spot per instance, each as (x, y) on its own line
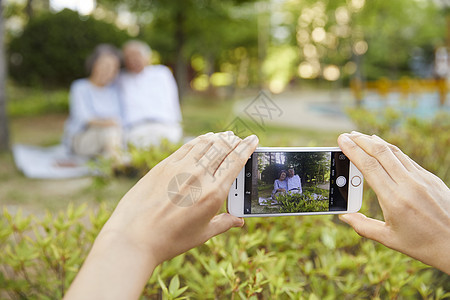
(415, 202)
(157, 219)
(153, 222)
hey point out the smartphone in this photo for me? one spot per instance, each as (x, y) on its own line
(296, 181)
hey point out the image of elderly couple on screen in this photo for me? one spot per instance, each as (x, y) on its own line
(123, 101)
(291, 182)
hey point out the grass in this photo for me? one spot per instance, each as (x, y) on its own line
(202, 115)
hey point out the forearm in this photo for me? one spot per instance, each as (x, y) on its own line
(114, 269)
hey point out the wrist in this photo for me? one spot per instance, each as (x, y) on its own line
(115, 269)
(118, 243)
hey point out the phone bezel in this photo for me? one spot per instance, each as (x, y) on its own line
(235, 203)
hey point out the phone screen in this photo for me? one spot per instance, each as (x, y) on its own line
(296, 182)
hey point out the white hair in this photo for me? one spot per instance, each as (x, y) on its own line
(145, 49)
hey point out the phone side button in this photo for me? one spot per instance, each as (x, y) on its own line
(356, 181)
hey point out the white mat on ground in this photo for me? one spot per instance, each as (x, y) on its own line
(49, 162)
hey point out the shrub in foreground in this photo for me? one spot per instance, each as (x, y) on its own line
(270, 258)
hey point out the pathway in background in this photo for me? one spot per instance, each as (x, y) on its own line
(312, 109)
(326, 109)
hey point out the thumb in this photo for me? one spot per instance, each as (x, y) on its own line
(366, 227)
(222, 223)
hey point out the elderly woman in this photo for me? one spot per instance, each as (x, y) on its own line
(280, 184)
(94, 126)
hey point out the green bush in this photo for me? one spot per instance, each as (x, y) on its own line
(140, 161)
(53, 47)
(425, 141)
(23, 101)
(267, 259)
(39, 258)
(304, 202)
(311, 257)
(145, 159)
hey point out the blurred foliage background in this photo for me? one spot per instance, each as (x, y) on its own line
(233, 43)
(220, 52)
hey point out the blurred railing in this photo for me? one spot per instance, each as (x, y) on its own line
(405, 86)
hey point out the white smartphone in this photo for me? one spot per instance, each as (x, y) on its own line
(296, 181)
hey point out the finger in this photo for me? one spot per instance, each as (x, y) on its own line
(222, 223)
(223, 144)
(186, 148)
(200, 147)
(380, 150)
(366, 227)
(372, 170)
(406, 161)
(236, 159)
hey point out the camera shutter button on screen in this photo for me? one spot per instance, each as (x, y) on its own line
(341, 181)
(356, 181)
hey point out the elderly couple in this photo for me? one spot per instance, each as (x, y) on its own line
(287, 182)
(111, 109)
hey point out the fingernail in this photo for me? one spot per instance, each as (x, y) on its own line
(343, 218)
(209, 133)
(356, 132)
(252, 139)
(345, 138)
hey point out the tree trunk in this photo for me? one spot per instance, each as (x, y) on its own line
(29, 9)
(181, 65)
(263, 37)
(4, 135)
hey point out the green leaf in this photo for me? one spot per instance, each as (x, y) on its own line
(163, 286)
(174, 285)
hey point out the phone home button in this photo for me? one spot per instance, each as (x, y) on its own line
(356, 181)
(341, 181)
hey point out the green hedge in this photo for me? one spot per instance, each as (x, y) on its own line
(304, 202)
(314, 257)
(53, 47)
(271, 258)
(425, 141)
(24, 101)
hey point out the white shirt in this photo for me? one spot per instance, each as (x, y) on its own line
(89, 102)
(150, 95)
(294, 182)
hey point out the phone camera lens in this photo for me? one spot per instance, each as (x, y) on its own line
(235, 195)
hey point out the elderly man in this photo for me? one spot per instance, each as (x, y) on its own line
(294, 184)
(150, 99)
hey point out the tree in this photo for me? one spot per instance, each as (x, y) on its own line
(309, 164)
(179, 30)
(53, 47)
(209, 29)
(4, 133)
